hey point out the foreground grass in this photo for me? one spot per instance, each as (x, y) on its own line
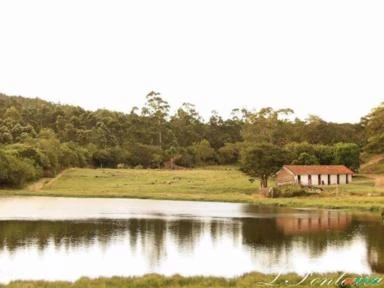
(157, 281)
(224, 184)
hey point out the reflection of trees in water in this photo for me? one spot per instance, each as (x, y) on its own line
(374, 235)
(16, 234)
(186, 232)
(275, 235)
(150, 234)
(255, 232)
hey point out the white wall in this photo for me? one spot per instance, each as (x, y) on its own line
(304, 180)
(315, 179)
(343, 179)
(333, 179)
(324, 178)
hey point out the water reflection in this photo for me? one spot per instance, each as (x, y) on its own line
(261, 239)
(374, 235)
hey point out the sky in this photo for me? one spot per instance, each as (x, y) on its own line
(323, 58)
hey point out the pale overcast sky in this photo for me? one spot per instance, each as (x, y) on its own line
(323, 57)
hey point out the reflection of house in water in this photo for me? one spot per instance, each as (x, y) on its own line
(295, 224)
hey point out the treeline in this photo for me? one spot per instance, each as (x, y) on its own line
(39, 138)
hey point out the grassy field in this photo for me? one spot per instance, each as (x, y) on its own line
(224, 184)
(157, 281)
(221, 183)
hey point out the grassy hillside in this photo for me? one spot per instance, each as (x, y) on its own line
(373, 165)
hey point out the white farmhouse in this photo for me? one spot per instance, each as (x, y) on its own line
(314, 175)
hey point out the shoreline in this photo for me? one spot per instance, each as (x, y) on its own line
(214, 184)
(338, 203)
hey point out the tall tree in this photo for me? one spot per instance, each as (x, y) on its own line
(187, 125)
(262, 161)
(266, 126)
(158, 109)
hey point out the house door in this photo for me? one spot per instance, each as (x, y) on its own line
(310, 180)
(329, 179)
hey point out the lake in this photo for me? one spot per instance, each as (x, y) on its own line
(67, 238)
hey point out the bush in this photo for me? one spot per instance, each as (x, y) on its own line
(149, 156)
(286, 191)
(15, 172)
(122, 166)
(228, 154)
(102, 158)
(73, 156)
(204, 153)
(186, 158)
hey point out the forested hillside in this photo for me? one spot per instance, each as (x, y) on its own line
(39, 138)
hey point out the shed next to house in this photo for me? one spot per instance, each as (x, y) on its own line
(314, 175)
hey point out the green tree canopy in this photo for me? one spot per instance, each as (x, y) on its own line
(262, 160)
(305, 159)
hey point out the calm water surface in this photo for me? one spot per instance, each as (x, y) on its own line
(67, 238)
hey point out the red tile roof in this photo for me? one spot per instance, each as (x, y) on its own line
(318, 169)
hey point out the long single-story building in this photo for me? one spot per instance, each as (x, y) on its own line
(314, 175)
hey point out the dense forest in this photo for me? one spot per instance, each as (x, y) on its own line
(39, 138)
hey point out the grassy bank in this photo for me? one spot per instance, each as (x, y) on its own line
(157, 281)
(224, 184)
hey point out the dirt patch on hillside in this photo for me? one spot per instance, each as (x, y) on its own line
(43, 182)
(37, 186)
(374, 165)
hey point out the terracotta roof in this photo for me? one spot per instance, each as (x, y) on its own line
(318, 169)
